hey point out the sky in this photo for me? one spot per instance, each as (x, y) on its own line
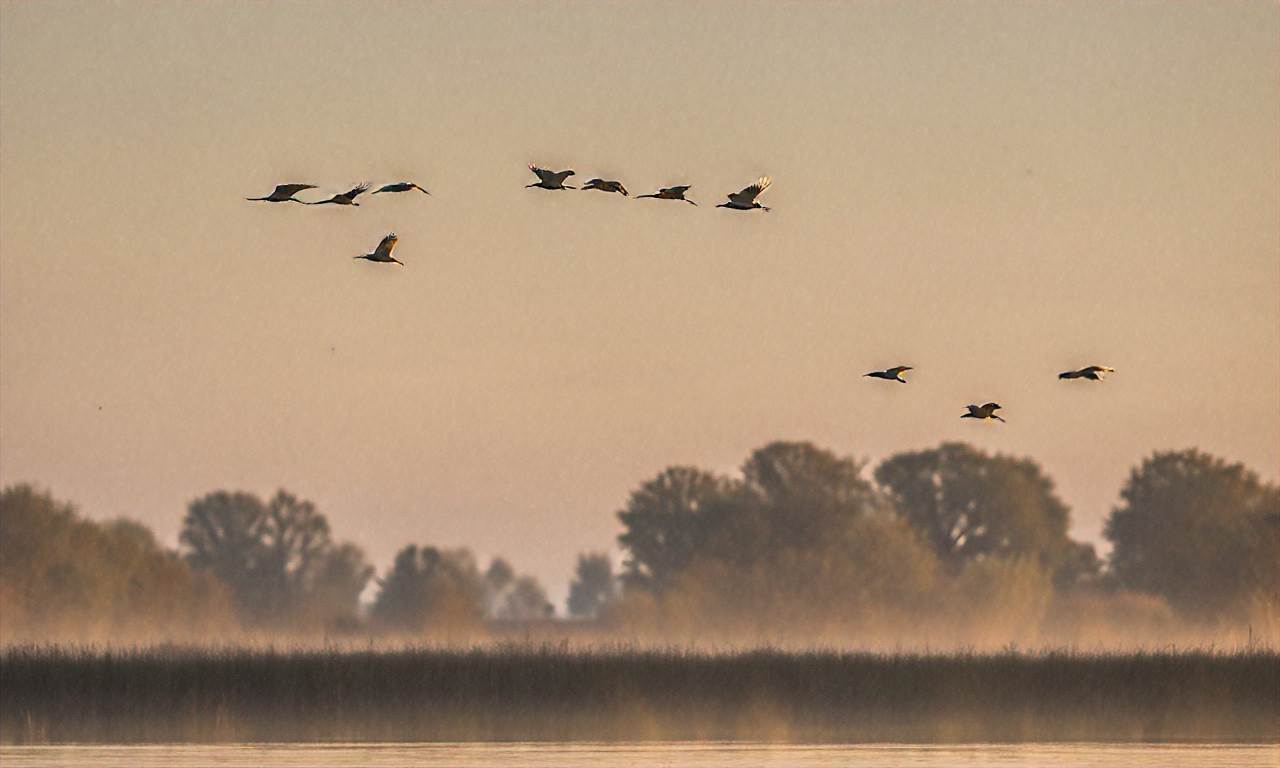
(991, 192)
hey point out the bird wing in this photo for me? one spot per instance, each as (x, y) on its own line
(399, 186)
(542, 173)
(355, 192)
(974, 410)
(897, 369)
(677, 191)
(748, 195)
(1101, 370)
(560, 176)
(289, 190)
(622, 189)
(990, 407)
(387, 245)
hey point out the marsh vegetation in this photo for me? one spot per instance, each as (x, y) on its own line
(531, 693)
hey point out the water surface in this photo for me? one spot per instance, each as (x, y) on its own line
(693, 755)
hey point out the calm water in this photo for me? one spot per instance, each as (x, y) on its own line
(705, 755)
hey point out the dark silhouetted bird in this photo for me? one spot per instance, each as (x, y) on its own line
(891, 374)
(400, 186)
(382, 253)
(346, 198)
(987, 411)
(606, 186)
(284, 193)
(746, 199)
(550, 179)
(671, 193)
(1093, 373)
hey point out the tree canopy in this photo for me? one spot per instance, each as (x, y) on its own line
(64, 576)
(968, 505)
(667, 520)
(1199, 531)
(277, 557)
(428, 586)
(593, 586)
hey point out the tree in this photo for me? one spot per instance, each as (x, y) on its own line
(1078, 565)
(805, 495)
(220, 535)
(333, 597)
(431, 589)
(278, 558)
(968, 505)
(792, 496)
(497, 578)
(667, 520)
(499, 575)
(527, 601)
(65, 577)
(1198, 531)
(593, 585)
(873, 578)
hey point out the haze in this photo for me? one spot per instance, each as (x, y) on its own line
(990, 192)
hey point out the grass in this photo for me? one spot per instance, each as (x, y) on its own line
(523, 693)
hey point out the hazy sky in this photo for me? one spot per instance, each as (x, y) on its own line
(991, 192)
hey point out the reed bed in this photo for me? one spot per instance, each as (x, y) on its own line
(523, 693)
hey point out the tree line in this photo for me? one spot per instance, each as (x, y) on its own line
(950, 541)
(802, 541)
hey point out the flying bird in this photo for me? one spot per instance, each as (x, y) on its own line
(746, 199)
(606, 186)
(400, 186)
(284, 193)
(346, 198)
(987, 411)
(891, 374)
(671, 193)
(1093, 373)
(549, 179)
(382, 253)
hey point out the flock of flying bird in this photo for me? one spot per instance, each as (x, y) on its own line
(988, 410)
(743, 200)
